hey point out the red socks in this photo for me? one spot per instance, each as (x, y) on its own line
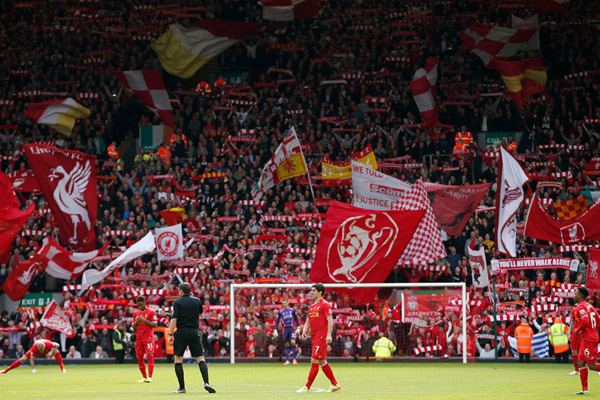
(13, 365)
(142, 366)
(58, 358)
(150, 364)
(314, 370)
(329, 373)
(575, 362)
(583, 375)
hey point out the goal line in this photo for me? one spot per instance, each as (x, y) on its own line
(235, 286)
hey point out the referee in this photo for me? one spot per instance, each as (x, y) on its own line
(186, 317)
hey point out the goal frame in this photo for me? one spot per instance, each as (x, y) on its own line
(234, 286)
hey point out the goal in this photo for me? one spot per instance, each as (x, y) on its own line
(460, 304)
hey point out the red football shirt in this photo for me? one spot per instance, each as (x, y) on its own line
(145, 331)
(317, 317)
(48, 345)
(586, 321)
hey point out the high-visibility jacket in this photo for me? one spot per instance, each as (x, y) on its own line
(181, 136)
(113, 151)
(464, 137)
(383, 347)
(165, 155)
(524, 334)
(168, 346)
(117, 345)
(512, 146)
(558, 337)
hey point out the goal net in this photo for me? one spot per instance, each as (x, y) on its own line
(425, 321)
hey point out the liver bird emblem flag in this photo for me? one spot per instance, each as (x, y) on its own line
(68, 183)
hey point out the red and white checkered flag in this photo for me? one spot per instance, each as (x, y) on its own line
(426, 244)
(148, 86)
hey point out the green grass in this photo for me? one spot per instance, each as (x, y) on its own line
(273, 381)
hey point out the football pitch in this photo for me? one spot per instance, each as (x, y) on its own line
(361, 381)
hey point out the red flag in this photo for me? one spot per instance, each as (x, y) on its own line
(17, 284)
(24, 181)
(540, 225)
(454, 205)
(56, 319)
(361, 246)
(68, 183)
(12, 218)
(423, 90)
(593, 274)
(172, 217)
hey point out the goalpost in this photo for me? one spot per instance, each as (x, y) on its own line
(235, 286)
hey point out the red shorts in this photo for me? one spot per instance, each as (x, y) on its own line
(144, 346)
(319, 349)
(575, 340)
(588, 351)
(32, 353)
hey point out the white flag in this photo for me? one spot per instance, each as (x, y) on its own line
(374, 190)
(57, 319)
(143, 246)
(530, 23)
(510, 187)
(169, 242)
(287, 162)
(479, 271)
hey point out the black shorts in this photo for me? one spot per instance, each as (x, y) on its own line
(187, 338)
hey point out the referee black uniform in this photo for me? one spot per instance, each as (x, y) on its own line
(186, 315)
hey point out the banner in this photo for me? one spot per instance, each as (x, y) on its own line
(374, 190)
(287, 162)
(592, 281)
(56, 319)
(540, 225)
(479, 271)
(430, 304)
(509, 195)
(169, 243)
(454, 205)
(361, 246)
(516, 264)
(68, 183)
(339, 173)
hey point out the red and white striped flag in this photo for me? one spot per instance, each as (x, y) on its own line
(489, 41)
(289, 10)
(148, 86)
(423, 90)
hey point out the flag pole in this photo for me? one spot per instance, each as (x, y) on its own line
(306, 165)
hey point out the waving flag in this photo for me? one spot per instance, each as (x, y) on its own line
(339, 173)
(148, 86)
(422, 88)
(52, 258)
(490, 42)
(68, 183)
(289, 10)
(57, 319)
(553, 6)
(522, 78)
(539, 345)
(12, 218)
(59, 114)
(183, 51)
(528, 23)
(169, 243)
(509, 195)
(287, 162)
(361, 246)
(571, 209)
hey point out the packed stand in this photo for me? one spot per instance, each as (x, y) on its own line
(73, 48)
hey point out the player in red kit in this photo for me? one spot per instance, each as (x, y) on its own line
(40, 347)
(320, 323)
(144, 321)
(585, 323)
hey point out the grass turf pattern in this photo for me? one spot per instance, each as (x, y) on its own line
(359, 381)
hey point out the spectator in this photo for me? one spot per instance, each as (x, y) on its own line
(99, 353)
(73, 353)
(383, 347)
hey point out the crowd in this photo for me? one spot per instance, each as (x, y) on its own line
(73, 47)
